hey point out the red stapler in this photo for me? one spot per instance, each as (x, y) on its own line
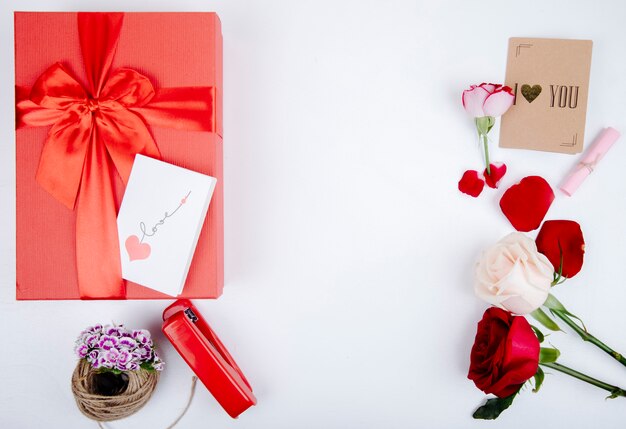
(196, 342)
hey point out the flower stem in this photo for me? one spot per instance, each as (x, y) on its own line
(486, 148)
(586, 336)
(613, 390)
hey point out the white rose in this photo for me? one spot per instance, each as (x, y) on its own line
(513, 275)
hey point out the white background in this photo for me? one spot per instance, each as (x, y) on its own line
(349, 252)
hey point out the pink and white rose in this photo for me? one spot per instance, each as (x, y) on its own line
(513, 275)
(487, 99)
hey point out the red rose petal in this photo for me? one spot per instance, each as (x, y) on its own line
(562, 237)
(471, 184)
(526, 204)
(498, 170)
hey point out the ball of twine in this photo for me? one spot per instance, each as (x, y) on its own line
(141, 384)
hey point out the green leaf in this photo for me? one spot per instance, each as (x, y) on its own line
(548, 355)
(540, 316)
(554, 304)
(539, 376)
(538, 333)
(147, 366)
(493, 407)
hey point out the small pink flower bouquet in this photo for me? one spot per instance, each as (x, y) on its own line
(117, 349)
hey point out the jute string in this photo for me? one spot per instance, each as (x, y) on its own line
(141, 385)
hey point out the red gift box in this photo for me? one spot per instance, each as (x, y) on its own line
(179, 55)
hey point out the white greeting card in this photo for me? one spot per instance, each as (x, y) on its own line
(159, 222)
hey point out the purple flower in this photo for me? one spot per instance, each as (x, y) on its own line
(115, 331)
(95, 329)
(92, 341)
(111, 357)
(98, 362)
(103, 363)
(122, 366)
(108, 342)
(143, 353)
(142, 336)
(93, 356)
(125, 362)
(81, 350)
(124, 357)
(127, 343)
(158, 365)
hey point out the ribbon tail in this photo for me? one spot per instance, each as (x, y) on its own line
(30, 114)
(99, 33)
(57, 155)
(97, 245)
(184, 108)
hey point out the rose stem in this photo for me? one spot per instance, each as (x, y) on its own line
(486, 147)
(614, 390)
(586, 336)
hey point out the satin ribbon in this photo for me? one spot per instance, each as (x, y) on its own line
(96, 131)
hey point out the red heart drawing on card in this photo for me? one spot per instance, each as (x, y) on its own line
(135, 249)
(526, 204)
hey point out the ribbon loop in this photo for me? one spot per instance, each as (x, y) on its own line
(57, 89)
(129, 88)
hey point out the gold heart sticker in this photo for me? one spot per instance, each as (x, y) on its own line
(531, 92)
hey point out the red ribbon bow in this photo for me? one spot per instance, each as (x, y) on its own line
(96, 131)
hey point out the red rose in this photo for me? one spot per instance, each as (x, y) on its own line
(562, 240)
(505, 353)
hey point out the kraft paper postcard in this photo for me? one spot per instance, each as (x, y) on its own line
(550, 80)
